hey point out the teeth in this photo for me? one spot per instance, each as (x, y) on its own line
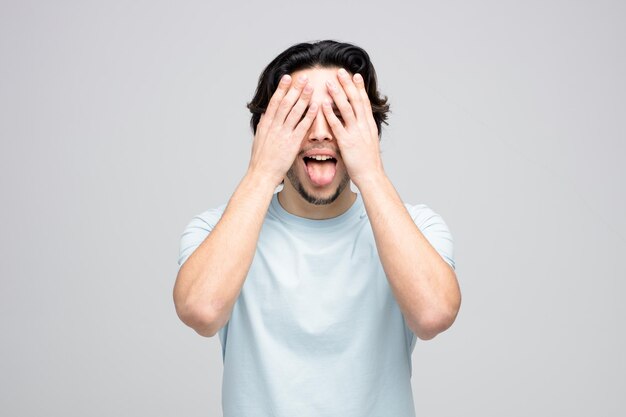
(320, 157)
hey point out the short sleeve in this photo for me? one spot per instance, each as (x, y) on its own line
(196, 231)
(435, 230)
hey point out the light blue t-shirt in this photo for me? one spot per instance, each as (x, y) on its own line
(316, 330)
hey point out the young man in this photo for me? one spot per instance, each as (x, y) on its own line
(317, 292)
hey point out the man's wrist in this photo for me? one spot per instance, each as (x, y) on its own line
(372, 179)
(260, 180)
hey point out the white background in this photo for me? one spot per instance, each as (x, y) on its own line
(120, 120)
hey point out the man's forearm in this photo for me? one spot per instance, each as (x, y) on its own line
(209, 282)
(424, 285)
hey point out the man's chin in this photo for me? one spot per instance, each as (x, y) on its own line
(314, 196)
(319, 200)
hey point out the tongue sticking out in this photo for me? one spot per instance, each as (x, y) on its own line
(321, 172)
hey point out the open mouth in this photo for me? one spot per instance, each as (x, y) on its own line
(322, 170)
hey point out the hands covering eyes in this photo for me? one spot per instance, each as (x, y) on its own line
(282, 127)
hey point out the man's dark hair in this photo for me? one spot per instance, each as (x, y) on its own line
(324, 54)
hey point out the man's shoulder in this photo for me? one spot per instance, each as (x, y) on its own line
(419, 211)
(197, 230)
(424, 216)
(435, 229)
(211, 215)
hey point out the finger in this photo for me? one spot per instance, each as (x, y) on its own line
(352, 93)
(288, 101)
(365, 100)
(281, 90)
(335, 124)
(296, 113)
(306, 121)
(341, 100)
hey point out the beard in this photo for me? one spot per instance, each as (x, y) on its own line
(318, 201)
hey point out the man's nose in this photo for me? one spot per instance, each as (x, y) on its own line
(320, 130)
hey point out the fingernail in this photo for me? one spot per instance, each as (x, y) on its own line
(302, 78)
(286, 78)
(343, 72)
(358, 77)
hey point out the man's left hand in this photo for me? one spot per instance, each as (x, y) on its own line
(357, 136)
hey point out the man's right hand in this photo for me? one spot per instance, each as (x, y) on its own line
(281, 129)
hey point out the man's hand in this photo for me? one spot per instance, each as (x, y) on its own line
(281, 129)
(357, 137)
